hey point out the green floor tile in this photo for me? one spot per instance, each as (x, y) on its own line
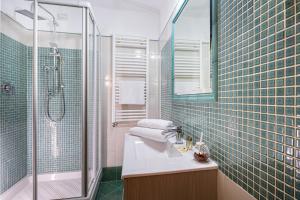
(111, 173)
(110, 190)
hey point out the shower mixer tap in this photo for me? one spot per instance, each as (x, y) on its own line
(54, 84)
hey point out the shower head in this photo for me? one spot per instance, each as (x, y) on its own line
(29, 14)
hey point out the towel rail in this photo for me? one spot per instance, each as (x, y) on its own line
(130, 62)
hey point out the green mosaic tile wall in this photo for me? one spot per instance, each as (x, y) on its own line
(58, 144)
(13, 113)
(253, 130)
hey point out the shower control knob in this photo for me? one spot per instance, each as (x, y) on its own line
(8, 89)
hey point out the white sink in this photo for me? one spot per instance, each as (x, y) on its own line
(172, 151)
(147, 149)
(145, 157)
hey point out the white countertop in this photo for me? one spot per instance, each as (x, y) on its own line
(143, 157)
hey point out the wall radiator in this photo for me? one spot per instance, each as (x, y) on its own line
(130, 63)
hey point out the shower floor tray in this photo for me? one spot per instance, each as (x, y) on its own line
(52, 190)
(47, 189)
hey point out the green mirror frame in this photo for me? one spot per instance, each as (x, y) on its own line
(201, 97)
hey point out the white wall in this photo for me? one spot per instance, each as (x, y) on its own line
(113, 138)
(127, 22)
(121, 20)
(65, 16)
(167, 27)
(17, 32)
(229, 190)
(193, 28)
(167, 9)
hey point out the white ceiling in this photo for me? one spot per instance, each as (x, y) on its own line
(154, 6)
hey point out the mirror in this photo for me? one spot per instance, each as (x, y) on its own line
(193, 47)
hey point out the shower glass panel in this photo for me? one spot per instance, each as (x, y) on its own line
(91, 73)
(15, 62)
(98, 103)
(60, 97)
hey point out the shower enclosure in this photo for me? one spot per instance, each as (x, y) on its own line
(50, 140)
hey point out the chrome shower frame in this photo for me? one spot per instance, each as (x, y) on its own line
(86, 13)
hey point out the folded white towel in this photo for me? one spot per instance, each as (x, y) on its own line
(152, 134)
(132, 92)
(155, 124)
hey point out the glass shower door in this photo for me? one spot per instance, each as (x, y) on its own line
(98, 102)
(91, 101)
(60, 83)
